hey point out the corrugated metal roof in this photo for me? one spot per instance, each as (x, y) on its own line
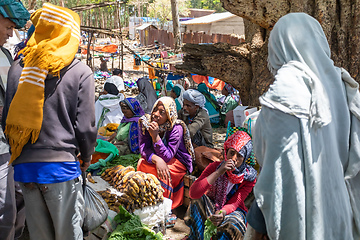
(209, 18)
(145, 25)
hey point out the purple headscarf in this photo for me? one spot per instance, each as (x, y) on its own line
(135, 107)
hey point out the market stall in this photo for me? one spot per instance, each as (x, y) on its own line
(132, 193)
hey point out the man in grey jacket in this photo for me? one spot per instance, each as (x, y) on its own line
(50, 123)
(12, 212)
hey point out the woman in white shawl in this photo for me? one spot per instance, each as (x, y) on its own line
(107, 107)
(307, 139)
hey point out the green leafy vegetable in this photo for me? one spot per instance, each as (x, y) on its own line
(131, 228)
(210, 229)
(123, 216)
(125, 160)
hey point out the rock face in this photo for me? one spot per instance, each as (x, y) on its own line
(245, 66)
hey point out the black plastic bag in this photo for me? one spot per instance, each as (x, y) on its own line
(96, 209)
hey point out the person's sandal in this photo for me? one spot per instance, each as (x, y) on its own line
(170, 222)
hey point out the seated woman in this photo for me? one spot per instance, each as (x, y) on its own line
(166, 148)
(221, 189)
(177, 93)
(211, 103)
(107, 108)
(126, 138)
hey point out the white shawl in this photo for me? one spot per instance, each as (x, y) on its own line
(302, 138)
(109, 105)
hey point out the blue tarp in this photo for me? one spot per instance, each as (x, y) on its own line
(174, 76)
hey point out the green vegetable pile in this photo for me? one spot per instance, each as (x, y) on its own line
(125, 160)
(130, 228)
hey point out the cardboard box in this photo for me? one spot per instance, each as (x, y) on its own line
(241, 112)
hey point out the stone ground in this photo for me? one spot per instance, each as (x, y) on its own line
(180, 230)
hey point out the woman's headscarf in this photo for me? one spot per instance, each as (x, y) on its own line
(209, 96)
(146, 89)
(114, 85)
(135, 107)
(242, 143)
(299, 57)
(179, 91)
(172, 119)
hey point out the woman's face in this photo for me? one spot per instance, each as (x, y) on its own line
(126, 110)
(159, 114)
(235, 156)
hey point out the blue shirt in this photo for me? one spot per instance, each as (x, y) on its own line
(46, 172)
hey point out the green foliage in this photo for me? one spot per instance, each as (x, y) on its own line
(131, 228)
(161, 9)
(125, 160)
(207, 4)
(210, 229)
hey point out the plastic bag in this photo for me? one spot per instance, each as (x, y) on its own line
(96, 209)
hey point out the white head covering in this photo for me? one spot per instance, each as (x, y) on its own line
(195, 97)
(117, 81)
(299, 57)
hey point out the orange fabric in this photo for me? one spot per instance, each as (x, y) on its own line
(151, 73)
(108, 48)
(200, 79)
(217, 84)
(98, 155)
(176, 186)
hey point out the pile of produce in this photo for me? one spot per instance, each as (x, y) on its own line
(139, 189)
(124, 160)
(130, 228)
(112, 199)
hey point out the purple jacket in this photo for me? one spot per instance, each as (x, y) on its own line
(172, 145)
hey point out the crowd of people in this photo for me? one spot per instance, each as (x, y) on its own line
(306, 137)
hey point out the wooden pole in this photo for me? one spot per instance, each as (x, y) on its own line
(93, 53)
(122, 42)
(88, 61)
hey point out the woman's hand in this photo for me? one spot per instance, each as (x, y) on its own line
(228, 165)
(162, 168)
(154, 131)
(218, 217)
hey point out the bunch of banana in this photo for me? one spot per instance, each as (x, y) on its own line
(111, 199)
(140, 190)
(109, 173)
(115, 174)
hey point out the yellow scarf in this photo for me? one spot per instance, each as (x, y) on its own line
(51, 48)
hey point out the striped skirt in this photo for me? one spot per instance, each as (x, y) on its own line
(233, 226)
